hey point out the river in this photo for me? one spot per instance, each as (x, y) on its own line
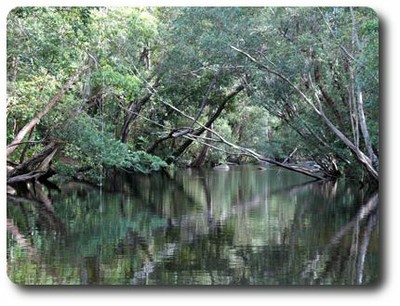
(244, 226)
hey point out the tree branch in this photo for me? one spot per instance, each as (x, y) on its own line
(26, 129)
(360, 156)
(279, 75)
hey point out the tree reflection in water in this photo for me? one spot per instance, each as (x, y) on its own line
(198, 227)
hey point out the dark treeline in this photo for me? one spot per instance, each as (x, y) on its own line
(141, 89)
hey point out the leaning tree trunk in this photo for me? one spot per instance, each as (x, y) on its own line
(359, 96)
(200, 159)
(208, 124)
(34, 168)
(364, 129)
(133, 110)
(363, 159)
(31, 124)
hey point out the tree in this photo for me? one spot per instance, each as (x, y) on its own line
(320, 77)
(137, 79)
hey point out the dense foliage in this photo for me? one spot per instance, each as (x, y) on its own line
(160, 81)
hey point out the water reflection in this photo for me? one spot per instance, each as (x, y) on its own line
(196, 227)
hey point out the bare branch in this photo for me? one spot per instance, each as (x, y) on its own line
(279, 75)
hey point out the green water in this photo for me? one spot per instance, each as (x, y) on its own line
(237, 227)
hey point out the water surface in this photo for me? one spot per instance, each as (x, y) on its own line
(197, 227)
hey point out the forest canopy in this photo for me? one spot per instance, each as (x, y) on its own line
(91, 89)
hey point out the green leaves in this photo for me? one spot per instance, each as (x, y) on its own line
(188, 51)
(94, 147)
(120, 84)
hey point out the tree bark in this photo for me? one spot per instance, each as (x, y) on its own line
(31, 124)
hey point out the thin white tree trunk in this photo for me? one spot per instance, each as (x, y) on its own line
(364, 128)
(360, 156)
(359, 95)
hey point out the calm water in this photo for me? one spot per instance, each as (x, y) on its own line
(237, 227)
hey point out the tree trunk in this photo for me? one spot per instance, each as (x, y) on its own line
(31, 124)
(291, 168)
(22, 157)
(30, 169)
(289, 156)
(210, 121)
(364, 129)
(133, 110)
(360, 156)
(204, 101)
(329, 100)
(359, 96)
(31, 163)
(200, 159)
